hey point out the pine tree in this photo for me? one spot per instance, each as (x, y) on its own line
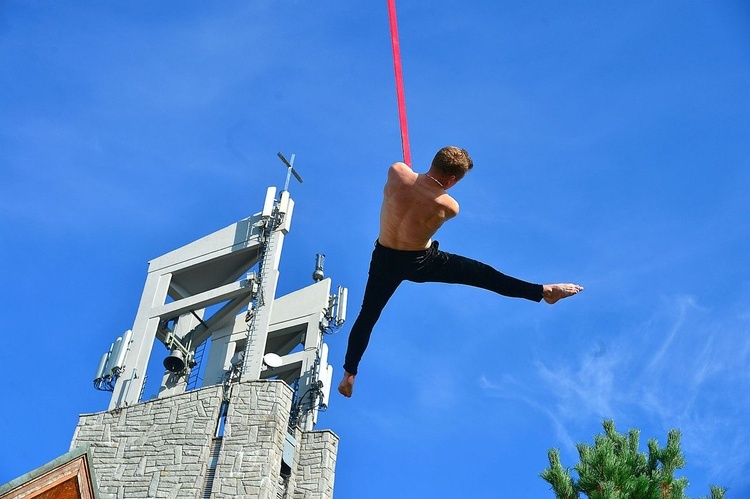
(614, 469)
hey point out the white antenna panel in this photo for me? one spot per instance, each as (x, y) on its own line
(119, 359)
(283, 202)
(287, 223)
(100, 369)
(113, 355)
(341, 306)
(323, 356)
(325, 375)
(268, 203)
(327, 378)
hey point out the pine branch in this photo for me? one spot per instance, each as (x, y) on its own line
(613, 468)
(559, 477)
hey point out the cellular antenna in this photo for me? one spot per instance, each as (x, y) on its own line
(289, 171)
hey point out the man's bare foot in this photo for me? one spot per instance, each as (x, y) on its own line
(347, 385)
(552, 293)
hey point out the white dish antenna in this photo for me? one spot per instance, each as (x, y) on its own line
(272, 360)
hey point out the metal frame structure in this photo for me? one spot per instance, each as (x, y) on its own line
(222, 288)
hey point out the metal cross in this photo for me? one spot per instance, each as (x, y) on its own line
(289, 171)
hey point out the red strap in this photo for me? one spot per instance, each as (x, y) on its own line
(399, 82)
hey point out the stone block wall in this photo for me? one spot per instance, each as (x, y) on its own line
(249, 463)
(316, 464)
(158, 448)
(167, 448)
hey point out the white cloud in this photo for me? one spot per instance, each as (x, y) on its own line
(685, 367)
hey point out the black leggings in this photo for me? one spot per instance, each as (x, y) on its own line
(389, 267)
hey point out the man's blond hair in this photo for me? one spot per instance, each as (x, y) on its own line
(452, 160)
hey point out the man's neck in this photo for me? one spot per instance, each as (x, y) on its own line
(444, 181)
(438, 182)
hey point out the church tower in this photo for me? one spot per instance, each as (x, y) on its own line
(245, 374)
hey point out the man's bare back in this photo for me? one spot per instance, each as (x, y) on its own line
(414, 207)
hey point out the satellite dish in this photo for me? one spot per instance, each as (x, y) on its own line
(272, 360)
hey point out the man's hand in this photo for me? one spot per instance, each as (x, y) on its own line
(347, 385)
(552, 293)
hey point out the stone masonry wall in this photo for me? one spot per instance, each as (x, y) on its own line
(155, 449)
(316, 465)
(162, 448)
(253, 444)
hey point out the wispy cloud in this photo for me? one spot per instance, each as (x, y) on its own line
(684, 306)
(685, 367)
(508, 388)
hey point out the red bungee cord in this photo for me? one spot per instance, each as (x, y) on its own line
(399, 82)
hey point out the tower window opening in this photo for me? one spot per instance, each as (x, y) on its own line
(221, 423)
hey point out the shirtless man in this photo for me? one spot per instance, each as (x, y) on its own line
(414, 207)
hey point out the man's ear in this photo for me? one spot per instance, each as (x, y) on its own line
(451, 181)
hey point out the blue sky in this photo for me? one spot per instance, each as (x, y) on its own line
(611, 149)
